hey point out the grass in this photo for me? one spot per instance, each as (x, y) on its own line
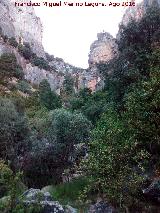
(68, 193)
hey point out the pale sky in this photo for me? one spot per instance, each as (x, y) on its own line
(69, 31)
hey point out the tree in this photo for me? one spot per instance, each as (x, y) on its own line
(54, 152)
(135, 56)
(68, 84)
(48, 98)
(40, 62)
(9, 68)
(14, 132)
(25, 87)
(12, 41)
(125, 144)
(25, 51)
(111, 166)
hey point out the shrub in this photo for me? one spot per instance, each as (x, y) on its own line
(68, 84)
(23, 86)
(41, 63)
(11, 182)
(14, 131)
(9, 67)
(5, 37)
(54, 149)
(25, 51)
(12, 41)
(48, 98)
(49, 57)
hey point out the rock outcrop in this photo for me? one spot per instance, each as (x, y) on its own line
(102, 50)
(22, 24)
(36, 197)
(137, 12)
(102, 207)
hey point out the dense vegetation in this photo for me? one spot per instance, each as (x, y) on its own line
(110, 137)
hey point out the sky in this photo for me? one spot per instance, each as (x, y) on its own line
(68, 32)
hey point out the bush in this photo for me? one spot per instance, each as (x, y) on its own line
(5, 37)
(68, 84)
(53, 150)
(68, 193)
(25, 51)
(14, 131)
(48, 98)
(11, 182)
(41, 63)
(9, 67)
(49, 57)
(23, 86)
(12, 41)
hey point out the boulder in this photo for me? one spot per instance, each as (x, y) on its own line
(101, 207)
(43, 199)
(70, 209)
(153, 191)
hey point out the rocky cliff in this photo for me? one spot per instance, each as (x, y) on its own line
(136, 13)
(102, 50)
(22, 24)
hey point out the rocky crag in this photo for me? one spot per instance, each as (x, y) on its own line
(136, 13)
(22, 24)
(102, 50)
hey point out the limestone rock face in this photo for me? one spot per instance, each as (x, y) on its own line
(103, 49)
(137, 12)
(102, 207)
(36, 196)
(22, 24)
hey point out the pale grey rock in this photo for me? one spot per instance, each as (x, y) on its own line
(103, 49)
(102, 207)
(135, 13)
(22, 24)
(70, 209)
(44, 199)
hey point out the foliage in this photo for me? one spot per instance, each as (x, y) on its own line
(12, 41)
(143, 113)
(48, 98)
(91, 105)
(68, 85)
(125, 142)
(52, 151)
(14, 131)
(68, 193)
(112, 143)
(135, 56)
(23, 86)
(13, 185)
(49, 57)
(11, 182)
(40, 62)
(9, 68)
(25, 51)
